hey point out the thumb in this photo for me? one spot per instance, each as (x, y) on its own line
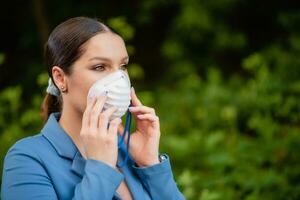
(120, 129)
(134, 99)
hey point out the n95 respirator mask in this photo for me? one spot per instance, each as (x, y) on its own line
(117, 85)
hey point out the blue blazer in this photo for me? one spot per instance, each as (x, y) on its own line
(49, 166)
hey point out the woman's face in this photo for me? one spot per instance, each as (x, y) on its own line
(103, 54)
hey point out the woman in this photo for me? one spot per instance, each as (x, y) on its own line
(76, 155)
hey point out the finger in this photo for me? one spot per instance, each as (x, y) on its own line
(121, 129)
(86, 114)
(149, 117)
(90, 100)
(95, 112)
(104, 117)
(142, 109)
(113, 127)
(134, 99)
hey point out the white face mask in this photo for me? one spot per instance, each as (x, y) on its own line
(118, 87)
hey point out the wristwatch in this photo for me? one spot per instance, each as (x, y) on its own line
(162, 157)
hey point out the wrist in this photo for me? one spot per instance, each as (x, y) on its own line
(149, 162)
(109, 162)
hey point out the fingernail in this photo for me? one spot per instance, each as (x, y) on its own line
(104, 93)
(132, 89)
(140, 116)
(91, 95)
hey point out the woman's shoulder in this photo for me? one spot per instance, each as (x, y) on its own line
(30, 146)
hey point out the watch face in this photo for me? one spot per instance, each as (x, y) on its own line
(162, 158)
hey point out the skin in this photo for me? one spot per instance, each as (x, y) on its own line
(82, 118)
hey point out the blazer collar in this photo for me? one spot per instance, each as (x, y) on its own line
(60, 140)
(63, 144)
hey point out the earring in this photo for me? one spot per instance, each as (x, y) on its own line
(62, 89)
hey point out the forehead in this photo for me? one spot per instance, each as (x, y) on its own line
(107, 45)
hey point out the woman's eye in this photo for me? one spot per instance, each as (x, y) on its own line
(124, 66)
(99, 67)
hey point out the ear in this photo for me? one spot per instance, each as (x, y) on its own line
(60, 78)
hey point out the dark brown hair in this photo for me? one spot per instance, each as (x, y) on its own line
(63, 48)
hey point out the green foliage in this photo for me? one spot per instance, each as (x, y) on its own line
(230, 136)
(19, 119)
(231, 139)
(228, 98)
(122, 27)
(2, 58)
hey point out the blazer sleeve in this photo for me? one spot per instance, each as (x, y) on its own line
(24, 177)
(95, 185)
(159, 181)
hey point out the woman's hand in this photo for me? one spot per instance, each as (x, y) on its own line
(144, 142)
(99, 142)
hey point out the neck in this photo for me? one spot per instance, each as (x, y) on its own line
(70, 121)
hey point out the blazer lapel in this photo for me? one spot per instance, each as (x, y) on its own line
(78, 164)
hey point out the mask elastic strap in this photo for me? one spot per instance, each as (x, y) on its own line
(126, 131)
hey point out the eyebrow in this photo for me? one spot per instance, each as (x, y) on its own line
(107, 59)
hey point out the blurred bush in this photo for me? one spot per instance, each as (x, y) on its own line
(227, 96)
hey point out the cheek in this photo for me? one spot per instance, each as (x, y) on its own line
(79, 85)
